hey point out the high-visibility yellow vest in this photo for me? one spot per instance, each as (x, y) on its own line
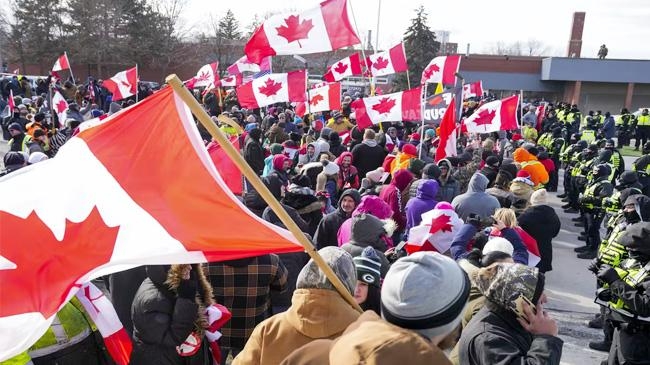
(588, 135)
(561, 115)
(633, 274)
(590, 192)
(69, 327)
(22, 359)
(611, 252)
(643, 120)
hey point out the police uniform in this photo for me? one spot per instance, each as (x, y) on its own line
(623, 125)
(642, 167)
(642, 129)
(591, 204)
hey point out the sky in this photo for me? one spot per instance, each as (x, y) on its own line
(623, 25)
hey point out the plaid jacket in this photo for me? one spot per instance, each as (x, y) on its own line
(244, 287)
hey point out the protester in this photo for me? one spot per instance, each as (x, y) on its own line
(424, 201)
(543, 224)
(395, 194)
(475, 200)
(449, 187)
(369, 231)
(370, 204)
(529, 163)
(329, 226)
(367, 291)
(348, 177)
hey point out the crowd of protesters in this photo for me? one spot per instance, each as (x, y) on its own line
(357, 194)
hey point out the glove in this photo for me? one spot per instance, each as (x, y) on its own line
(475, 220)
(607, 274)
(187, 289)
(594, 266)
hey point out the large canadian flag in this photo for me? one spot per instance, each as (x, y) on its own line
(243, 64)
(207, 76)
(442, 69)
(494, 116)
(231, 81)
(62, 63)
(123, 84)
(321, 29)
(326, 97)
(348, 66)
(60, 107)
(473, 90)
(388, 62)
(436, 231)
(273, 88)
(149, 196)
(400, 106)
(448, 133)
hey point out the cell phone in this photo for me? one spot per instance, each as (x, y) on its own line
(519, 307)
(400, 246)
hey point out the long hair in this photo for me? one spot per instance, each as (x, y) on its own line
(373, 300)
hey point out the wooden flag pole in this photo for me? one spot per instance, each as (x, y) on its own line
(251, 176)
(423, 97)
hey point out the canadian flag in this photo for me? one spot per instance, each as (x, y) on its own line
(123, 200)
(243, 64)
(101, 311)
(494, 116)
(400, 106)
(534, 257)
(60, 107)
(540, 112)
(348, 66)
(388, 62)
(61, 63)
(436, 231)
(11, 103)
(207, 76)
(473, 90)
(448, 133)
(123, 84)
(324, 98)
(321, 29)
(300, 108)
(226, 167)
(231, 81)
(273, 88)
(441, 69)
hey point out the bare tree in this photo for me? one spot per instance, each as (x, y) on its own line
(531, 47)
(535, 47)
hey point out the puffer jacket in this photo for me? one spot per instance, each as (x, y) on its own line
(424, 201)
(529, 163)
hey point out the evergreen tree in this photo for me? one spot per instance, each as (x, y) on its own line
(229, 27)
(421, 47)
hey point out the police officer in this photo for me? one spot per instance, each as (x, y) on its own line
(629, 180)
(642, 129)
(589, 132)
(624, 124)
(579, 177)
(572, 149)
(642, 168)
(556, 145)
(591, 205)
(617, 159)
(628, 299)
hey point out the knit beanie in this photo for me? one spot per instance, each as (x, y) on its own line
(312, 277)
(275, 148)
(538, 197)
(406, 299)
(410, 149)
(498, 244)
(376, 175)
(368, 267)
(367, 230)
(431, 170)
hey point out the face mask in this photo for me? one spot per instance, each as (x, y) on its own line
(631, 216)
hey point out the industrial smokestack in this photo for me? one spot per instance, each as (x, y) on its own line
(575, 42)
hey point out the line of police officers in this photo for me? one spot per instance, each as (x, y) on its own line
(597, 187)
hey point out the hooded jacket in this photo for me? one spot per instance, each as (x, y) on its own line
(370, 204)
(494, 336)
(424, 201)
(529, 163)
(369, 231)
(394, 194)
(543, 224)
(448, 188)
(347, 178)
(253, 152)
(476, 200)
(367, 156)
(329, 226)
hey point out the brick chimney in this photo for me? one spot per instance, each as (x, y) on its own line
(575, 42)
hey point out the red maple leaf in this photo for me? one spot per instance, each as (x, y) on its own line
(61, 106)
(204, 76)
(270, 87)
(380, 63)
(384, 106)
(484, 117)
(441, 223)
(429, 71)
(47, 268)
(316, 99)
(340, 67)
(295, 30)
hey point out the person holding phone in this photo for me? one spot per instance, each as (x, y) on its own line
(512, 327)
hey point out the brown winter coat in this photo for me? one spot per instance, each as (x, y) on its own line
(314, 314)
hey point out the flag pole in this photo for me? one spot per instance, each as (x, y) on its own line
(70, 64)
(251, 176)
(521, 108)
(363, 52)
(423, 94)
(137, 81)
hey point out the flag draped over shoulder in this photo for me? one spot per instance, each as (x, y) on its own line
(137, 188)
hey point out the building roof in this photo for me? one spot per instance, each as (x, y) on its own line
(595, 70)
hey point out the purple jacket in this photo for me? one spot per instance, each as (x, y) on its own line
(424, 201)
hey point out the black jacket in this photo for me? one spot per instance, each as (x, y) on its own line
(161, 321)
(494, 337)
(307, 206)
(543, 224)
(367, 158)
(254, 155)
(329, 226)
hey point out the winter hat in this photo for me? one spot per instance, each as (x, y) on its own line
(13, 160)
(368, 230)
(431, 171)
(15, 126)
(516, 137)
(39, 133)
(498, 244)
(250, 126)
(330, 168)
(275, 148)
(415, 136)
(524, 176)
(39, 117)
(96, 113)
(312, 277)
(492, 161)
(376, 175)
(637, 237)
(36, 157)
(406, 299)
(429, 133)
(374, 205)
(410, 149)
(368, 267)
(415, 166)
(503, 284)
(538, 197)
(510, 168)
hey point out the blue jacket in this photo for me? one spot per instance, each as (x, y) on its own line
(609, 128)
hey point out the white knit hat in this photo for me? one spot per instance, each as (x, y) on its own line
(498, 244)
(539, 197)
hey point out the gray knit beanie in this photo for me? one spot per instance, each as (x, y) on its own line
(312, 277)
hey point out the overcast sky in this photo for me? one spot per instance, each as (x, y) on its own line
(623, 25)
